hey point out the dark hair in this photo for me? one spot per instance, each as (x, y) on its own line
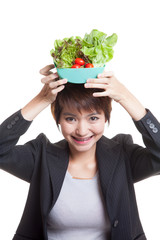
(78, 97)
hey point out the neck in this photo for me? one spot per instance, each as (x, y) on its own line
(83, 164)
(83, 158)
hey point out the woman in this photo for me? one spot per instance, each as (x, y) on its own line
(82, 186)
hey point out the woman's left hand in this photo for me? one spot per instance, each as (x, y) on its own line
(112, 87)
(118, 92)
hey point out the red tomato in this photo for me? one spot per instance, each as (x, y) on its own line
(76, 66)
(89, 65)
(79, 61)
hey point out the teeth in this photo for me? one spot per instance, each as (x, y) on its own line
(82, 139)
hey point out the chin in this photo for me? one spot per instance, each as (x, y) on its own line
(82, 147)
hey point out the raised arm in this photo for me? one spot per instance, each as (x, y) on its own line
(19, 160)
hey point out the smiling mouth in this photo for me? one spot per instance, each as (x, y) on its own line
(82, 140)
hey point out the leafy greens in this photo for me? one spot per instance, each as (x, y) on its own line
(95, 48)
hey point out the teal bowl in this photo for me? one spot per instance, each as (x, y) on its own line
(79, 75)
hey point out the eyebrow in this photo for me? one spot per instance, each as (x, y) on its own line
(74, 115)
(67, 113)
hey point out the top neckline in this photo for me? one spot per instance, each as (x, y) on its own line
(76, 178)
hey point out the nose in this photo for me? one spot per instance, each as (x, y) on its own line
(82, 128)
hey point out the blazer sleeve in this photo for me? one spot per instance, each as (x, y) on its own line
(16, 159)
(145, 161)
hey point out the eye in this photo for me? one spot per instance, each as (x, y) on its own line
(70, 119)
(94, 118)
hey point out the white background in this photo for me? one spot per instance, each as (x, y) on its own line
(28, 30)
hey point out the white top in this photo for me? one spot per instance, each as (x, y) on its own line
(79, 212)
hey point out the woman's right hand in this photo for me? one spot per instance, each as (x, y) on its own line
(47, 95)
(52, 86)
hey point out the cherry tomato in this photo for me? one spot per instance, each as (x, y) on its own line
(76, 66)
(79, 61)
(89, 65)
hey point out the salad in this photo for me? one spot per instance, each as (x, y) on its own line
(94, 50)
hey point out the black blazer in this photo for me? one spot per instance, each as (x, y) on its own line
(43, 164)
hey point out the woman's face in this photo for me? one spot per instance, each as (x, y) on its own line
(82, 129)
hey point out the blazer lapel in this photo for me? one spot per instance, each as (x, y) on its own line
(114, 185)
(107, 157)
(58, 160)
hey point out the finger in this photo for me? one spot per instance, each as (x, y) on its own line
(105, 74)
(100, 94)
(57, 83)
(49, 78)
(95, 85)
(46, 70)
(99, 80)
(58, 89)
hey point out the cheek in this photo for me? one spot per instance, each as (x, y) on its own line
(66, 128)
(99, 128)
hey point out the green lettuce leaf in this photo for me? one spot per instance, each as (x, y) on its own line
(98, 47)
